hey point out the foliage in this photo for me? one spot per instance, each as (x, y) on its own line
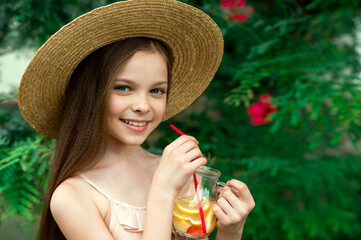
(24, 171)
(296, 189)
(12, 125)
(24, 165)
(29, 23)
(303, 168)
(304, 178)
(301, 199)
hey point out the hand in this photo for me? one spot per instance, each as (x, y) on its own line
(232, 209)
(180, 159)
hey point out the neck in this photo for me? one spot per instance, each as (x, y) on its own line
(116, 151)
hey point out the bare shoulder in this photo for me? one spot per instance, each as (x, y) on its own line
(69, 194)
(76, 213)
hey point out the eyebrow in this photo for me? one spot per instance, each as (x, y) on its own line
(132, 82)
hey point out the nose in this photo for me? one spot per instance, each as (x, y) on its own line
(141, 104)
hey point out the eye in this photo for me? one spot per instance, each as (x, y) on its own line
(158, 91)
(122, 88)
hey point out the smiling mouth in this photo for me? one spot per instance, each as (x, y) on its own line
(133, 123)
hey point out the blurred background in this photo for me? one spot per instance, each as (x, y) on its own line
(283, 113)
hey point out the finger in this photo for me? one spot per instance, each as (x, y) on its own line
(226, 207)
(196, 163)
(241, 206)
(187, 146)
(235, 191)
(193, 154)
(233, 200)
(219, 213)
(220, 190)
(181, 140)
(242, 190)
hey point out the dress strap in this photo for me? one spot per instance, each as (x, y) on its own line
(94, 185)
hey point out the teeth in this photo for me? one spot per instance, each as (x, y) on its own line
(138, 124)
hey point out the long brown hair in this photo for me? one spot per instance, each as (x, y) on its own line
(81, 134)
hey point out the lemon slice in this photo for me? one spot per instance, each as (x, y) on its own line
(210, 220)
(179, 215)
(189, 205)
(196, 220)
(181, 225)
(186, 213)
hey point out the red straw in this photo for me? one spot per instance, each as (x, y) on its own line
(196, 188)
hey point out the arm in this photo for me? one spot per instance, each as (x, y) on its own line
(158, 222)
(232, 209)
(77, 216)
(179, 160)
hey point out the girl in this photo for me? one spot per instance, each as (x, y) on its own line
(101, 98)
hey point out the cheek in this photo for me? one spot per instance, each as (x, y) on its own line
(116, 106)
(163, 107)
(114, 114)
(112, 109)
(159, 108)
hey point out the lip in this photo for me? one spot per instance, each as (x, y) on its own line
(135, 128)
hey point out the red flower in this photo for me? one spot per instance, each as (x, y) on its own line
(226, 4)
(240, 18)
(265, 97)
(229, 4)
(256, 110)
(261, 111)
(240, 3)
(259, 120)
(236, 10)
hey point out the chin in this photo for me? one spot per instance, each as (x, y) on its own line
(134, 142)
(129, 140)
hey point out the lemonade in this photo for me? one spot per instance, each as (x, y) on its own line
(186, 217)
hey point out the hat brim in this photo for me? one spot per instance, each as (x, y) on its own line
(195, 41)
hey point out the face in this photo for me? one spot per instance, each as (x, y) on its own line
(138, 98)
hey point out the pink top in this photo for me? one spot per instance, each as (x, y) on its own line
(126, 221)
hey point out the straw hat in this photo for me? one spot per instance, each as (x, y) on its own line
(195, 41)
